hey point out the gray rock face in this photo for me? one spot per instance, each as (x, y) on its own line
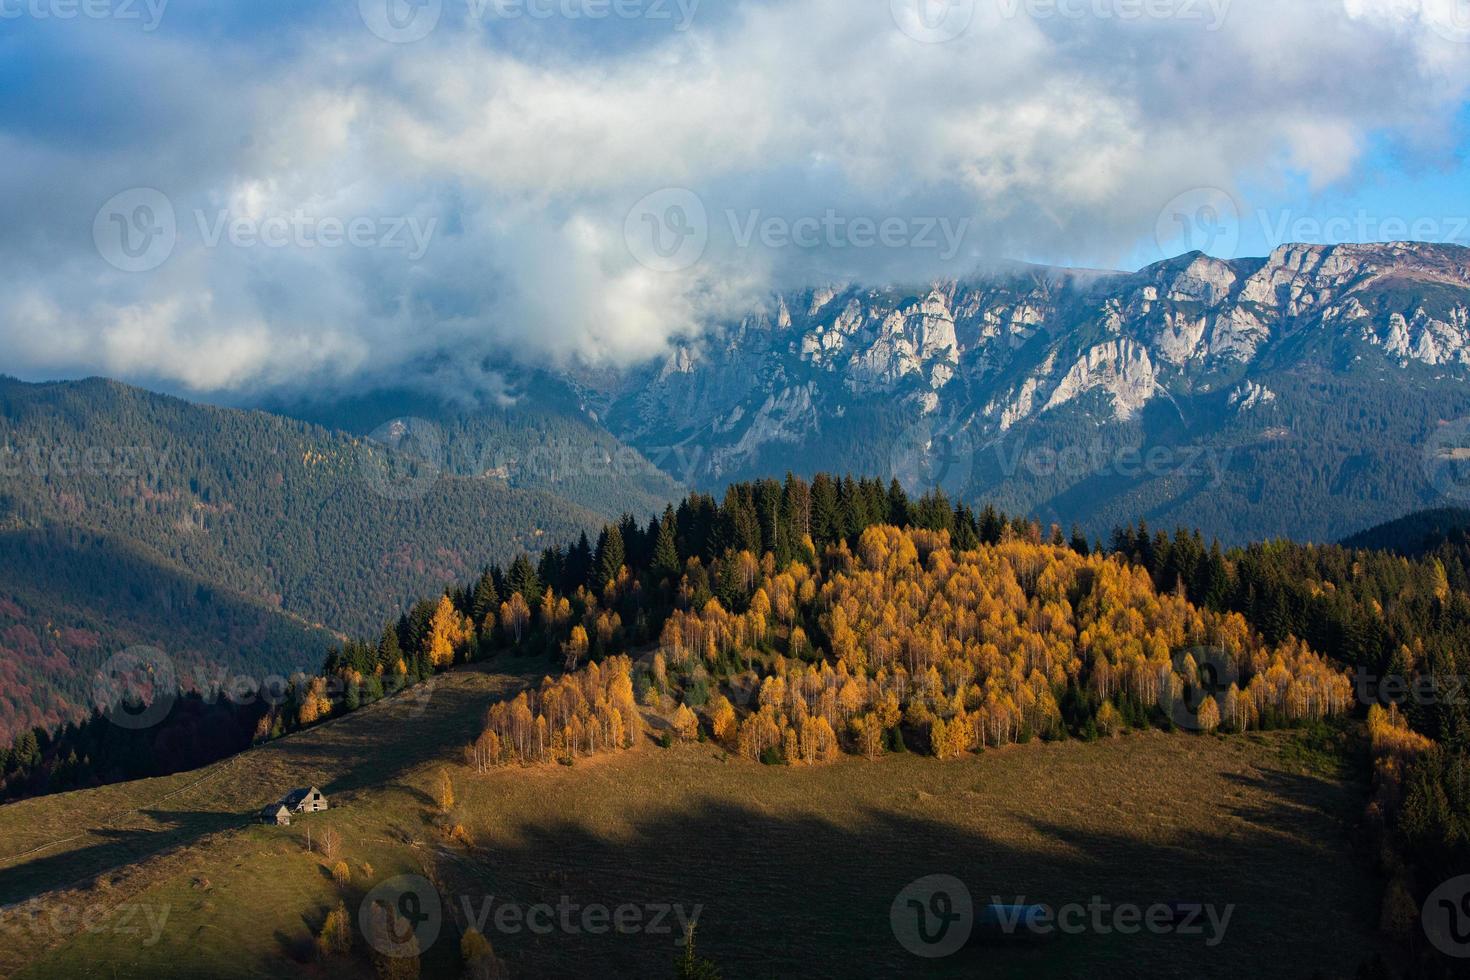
(1009, 349)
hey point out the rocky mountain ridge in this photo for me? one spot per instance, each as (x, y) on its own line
(1022, 347)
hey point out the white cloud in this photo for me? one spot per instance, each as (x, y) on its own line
(1057, 137)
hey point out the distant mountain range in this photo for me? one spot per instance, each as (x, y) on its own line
(1311, 393)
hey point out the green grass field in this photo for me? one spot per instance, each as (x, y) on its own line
(793, 870)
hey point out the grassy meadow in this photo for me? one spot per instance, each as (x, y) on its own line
(792, 870)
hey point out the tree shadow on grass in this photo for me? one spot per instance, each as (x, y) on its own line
(116, 847)
(803, 896)
(350, 754)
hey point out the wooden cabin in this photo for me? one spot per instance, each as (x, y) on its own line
(307, 799)
(276, 814)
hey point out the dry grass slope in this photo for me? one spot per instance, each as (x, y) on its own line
(795, 868)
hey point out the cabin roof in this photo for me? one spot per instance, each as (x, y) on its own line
(297, 795)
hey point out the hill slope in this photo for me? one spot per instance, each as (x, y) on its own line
(1416, 535)
(537, 440)
(332, 528)
(70, 599)
(822, 852)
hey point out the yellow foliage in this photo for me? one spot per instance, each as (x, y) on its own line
(686, 724)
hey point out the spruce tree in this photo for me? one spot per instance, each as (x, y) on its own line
(523, 578)
(609, 558)
(486, 599)
(666, 563)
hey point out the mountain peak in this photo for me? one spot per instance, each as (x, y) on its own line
(1017, 349)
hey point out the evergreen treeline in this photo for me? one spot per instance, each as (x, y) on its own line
(279, 510)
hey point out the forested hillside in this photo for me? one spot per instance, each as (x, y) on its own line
(971, 630)
(1403, 625)
(535, 439)
(70, 599)
(793, 622)
(335, 529)
(1443, 534)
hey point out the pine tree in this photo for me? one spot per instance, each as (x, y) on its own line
(578, 565)
(608, 562)
(389, 652)
(550, 569)
(523, 579)
(666, 565)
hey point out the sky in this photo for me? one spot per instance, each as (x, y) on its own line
(235, 196)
